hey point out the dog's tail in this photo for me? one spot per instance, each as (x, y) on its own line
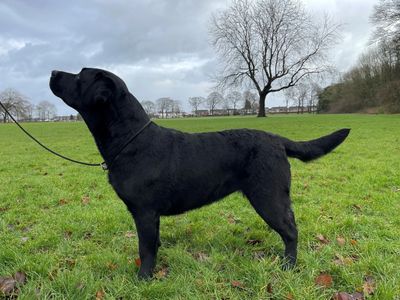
(313, 149)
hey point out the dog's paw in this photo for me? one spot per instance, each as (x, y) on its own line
(288, 264)
(145, 275)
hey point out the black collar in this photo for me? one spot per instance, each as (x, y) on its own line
(107, 167)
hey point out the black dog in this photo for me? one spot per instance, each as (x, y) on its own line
(160, 172)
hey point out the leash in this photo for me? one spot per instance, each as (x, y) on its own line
(103, 165)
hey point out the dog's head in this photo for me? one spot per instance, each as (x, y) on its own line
(104, 102)
(90, 89)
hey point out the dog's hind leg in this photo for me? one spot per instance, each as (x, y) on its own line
(147, 226)
(269, 194)
(275, 210)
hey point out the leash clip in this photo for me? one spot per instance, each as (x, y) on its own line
(104, 166)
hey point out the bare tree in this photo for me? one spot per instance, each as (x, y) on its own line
(176, 107)
(289, 95)
(251, 98)
(195, 103)
(270, 44)
(234, 98)
(16, 103)
(304, 96)
(386, 18)
(149, 107)
(316, 89)
(30, 108)
(213, 100)
(162, 104)
(46, 110)
(247, 106)
(165, 106)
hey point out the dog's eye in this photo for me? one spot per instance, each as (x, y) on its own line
(78, 77)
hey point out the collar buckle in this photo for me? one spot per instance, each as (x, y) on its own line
(104, 166)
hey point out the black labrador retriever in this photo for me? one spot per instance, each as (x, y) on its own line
(160, 172)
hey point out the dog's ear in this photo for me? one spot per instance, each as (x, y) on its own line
(105, 89)
(102, 95)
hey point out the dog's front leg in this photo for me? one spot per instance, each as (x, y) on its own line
(147, 226)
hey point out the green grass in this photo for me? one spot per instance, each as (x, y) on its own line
(71, 250)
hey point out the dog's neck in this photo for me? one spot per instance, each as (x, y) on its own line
(114, 126)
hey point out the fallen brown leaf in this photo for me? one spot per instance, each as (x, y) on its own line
(289, 297)
(347, 296)
(341, 241)
(369, 285)
(20, 277)
(100, 295)
(130, 234)
(70, 262)
(322, 239)
(269, 288)
(353, 242)
(8, 286)
(162, 273)
(324, 280)
(259, 255)
(3, 209)
(138, 262)
(85, 200)
(237, 284)
(343, 261)
(201, 256)
(253, 242)
(354, 257)
(341, 296)
(317, 246)
(111, 266)
(62, 202)
(357, 296)
(232, 219)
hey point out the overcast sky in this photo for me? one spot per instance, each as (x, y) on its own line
(159, 47)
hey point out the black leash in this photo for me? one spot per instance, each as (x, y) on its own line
(103, 164)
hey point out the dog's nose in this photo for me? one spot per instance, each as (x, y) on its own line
(54, 73)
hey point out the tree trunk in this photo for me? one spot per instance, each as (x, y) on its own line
(261, 108)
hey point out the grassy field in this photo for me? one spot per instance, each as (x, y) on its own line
(63, 226)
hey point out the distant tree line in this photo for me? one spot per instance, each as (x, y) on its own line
(373, 84)
(163, 107)
(21, 109)
(214, 104)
